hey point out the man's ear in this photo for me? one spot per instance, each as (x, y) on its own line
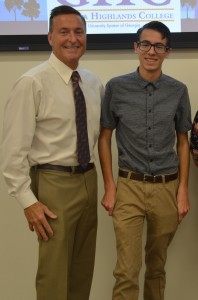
(168, 52)
(49, 36)
(135, 46)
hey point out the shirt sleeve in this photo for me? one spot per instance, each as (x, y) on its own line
(18, 131)
(108, 118)
(183, 115)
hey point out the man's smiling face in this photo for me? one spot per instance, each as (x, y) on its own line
(150, 61)
(68, 39)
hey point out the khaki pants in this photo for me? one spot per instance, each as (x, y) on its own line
(136, 201)
(66, 261)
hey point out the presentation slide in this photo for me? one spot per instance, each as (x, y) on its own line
(30, 17)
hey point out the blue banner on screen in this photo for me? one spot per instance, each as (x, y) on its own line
(18, 17)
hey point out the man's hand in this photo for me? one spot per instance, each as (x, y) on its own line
(183, 203)
(108, 201)
(36, 216)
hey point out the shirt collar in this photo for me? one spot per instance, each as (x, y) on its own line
(63, 70)
(144, 83)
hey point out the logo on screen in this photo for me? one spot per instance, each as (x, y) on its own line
(105, 3)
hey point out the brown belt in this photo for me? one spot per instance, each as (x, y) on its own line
(74, 169)
(148, 178)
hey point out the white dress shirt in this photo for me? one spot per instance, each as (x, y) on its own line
(39, 123)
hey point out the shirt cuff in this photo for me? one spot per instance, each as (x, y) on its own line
(26, 199)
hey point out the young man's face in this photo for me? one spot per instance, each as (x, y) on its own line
(151, 61)
(68, 39)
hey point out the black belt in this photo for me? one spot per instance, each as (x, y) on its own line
(74, 169)
(148, 178)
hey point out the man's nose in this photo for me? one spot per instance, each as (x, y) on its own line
(72, 36)
(152, 49)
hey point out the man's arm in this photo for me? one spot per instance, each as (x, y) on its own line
(105, 154)
(183, 152)
(18, 132)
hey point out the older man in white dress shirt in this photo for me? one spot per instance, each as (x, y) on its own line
(40, 164)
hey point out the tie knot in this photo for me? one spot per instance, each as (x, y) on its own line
(75, 77)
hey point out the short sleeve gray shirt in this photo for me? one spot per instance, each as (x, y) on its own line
(146, 117)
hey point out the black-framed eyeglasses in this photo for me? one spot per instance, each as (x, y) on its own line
(158, 47)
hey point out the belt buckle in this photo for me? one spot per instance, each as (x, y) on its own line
(145, 178)
(73, 169)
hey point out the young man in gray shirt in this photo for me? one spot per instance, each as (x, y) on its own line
(147, 109)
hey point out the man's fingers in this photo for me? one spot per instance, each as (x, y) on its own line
(31, 226)
(108, 208)
(47, 228)
(36, 215)
(49, 213)
(110, 212)
(182, 215)
(39, 234)
(43, 228)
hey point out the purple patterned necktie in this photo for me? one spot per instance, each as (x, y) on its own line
(83, 153)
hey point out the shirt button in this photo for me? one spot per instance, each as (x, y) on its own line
(150, 145)
(149, 128)
(150, 110)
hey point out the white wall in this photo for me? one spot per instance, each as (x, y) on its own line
(18, 247)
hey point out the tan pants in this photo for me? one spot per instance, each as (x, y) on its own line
(136, 201)
(66, 261)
